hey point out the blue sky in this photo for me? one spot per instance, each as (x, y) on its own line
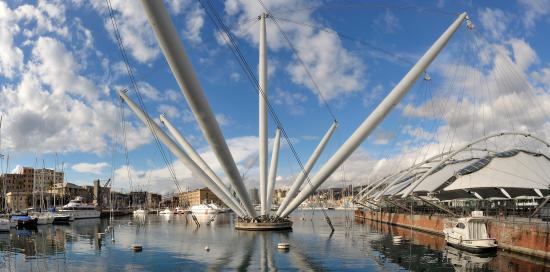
(61, 68)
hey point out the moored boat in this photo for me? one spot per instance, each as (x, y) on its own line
(24, 221)
(470, 234)
(206, 209)
(80, 210)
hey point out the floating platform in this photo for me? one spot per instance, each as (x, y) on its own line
(263, 226)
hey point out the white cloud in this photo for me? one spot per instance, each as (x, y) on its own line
(494, 21)
(383, 137)
(194, 23)
(52, 106)
(12, 57)
(92, 168)
(534, 10)
(292, 101)
(337, 71)
(388, 22)
(242, 148)
(223, 120)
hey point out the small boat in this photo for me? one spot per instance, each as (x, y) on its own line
(24, 220)
(470, 234)
(206, 209)
(166, 211)
(140, 212)
(4, 225)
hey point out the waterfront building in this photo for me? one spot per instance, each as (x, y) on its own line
(199, 196)
(153, 200)
(18, 201)
(45, 178)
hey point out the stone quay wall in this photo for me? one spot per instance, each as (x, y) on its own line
(522, 237)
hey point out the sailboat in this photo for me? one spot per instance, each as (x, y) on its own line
(4, 222)
(43, 218)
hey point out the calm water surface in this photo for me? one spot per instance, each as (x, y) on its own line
(171, 243)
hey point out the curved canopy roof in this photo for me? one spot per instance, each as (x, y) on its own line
(506, 174)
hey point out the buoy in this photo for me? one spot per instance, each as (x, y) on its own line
(136, 247)
(283, 246)
(206, 248)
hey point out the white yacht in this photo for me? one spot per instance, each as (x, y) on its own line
(206, 209)
(470, 234)
(80, 210)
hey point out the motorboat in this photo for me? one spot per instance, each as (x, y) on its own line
(24, 221)
(140, 212)
(166, 211)
(80, 210)
(206, 209)
(470, 234)
(4, 225)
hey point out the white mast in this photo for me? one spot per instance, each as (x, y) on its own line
(181, 67)
(196, 157)
(176, 150)
(262, 115)
(307, 168)
(376, 116)
(272, 171)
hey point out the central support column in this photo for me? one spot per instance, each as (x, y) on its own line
(262, 113)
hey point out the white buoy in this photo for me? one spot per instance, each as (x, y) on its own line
(206, 248)
(283, 246)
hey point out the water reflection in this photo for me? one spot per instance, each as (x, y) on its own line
(175, 242)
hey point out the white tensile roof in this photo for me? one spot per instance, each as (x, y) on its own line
(517, 173)
(435, 180)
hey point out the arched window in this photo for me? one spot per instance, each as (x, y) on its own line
(460, 226)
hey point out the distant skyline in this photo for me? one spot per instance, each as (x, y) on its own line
(60, 70)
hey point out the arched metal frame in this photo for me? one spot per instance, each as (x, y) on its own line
(467, 147)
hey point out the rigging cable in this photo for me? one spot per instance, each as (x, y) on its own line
(135, 86)
(231, 42)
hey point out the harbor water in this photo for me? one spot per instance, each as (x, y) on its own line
(175, 243)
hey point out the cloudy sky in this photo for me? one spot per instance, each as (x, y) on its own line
(60, 70)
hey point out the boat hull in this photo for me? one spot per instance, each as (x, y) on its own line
(476, 250)
(82, 214)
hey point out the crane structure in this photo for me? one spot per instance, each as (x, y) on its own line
(236, 196)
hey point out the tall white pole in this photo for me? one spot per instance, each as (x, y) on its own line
(196, 157)
(262, 115)
(272, 171)
(376, 116)
(307, 168)
(181, 67)
(185, 159)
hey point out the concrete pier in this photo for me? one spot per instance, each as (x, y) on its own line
(523, 237)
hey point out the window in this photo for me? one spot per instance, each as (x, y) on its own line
(460, 226)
